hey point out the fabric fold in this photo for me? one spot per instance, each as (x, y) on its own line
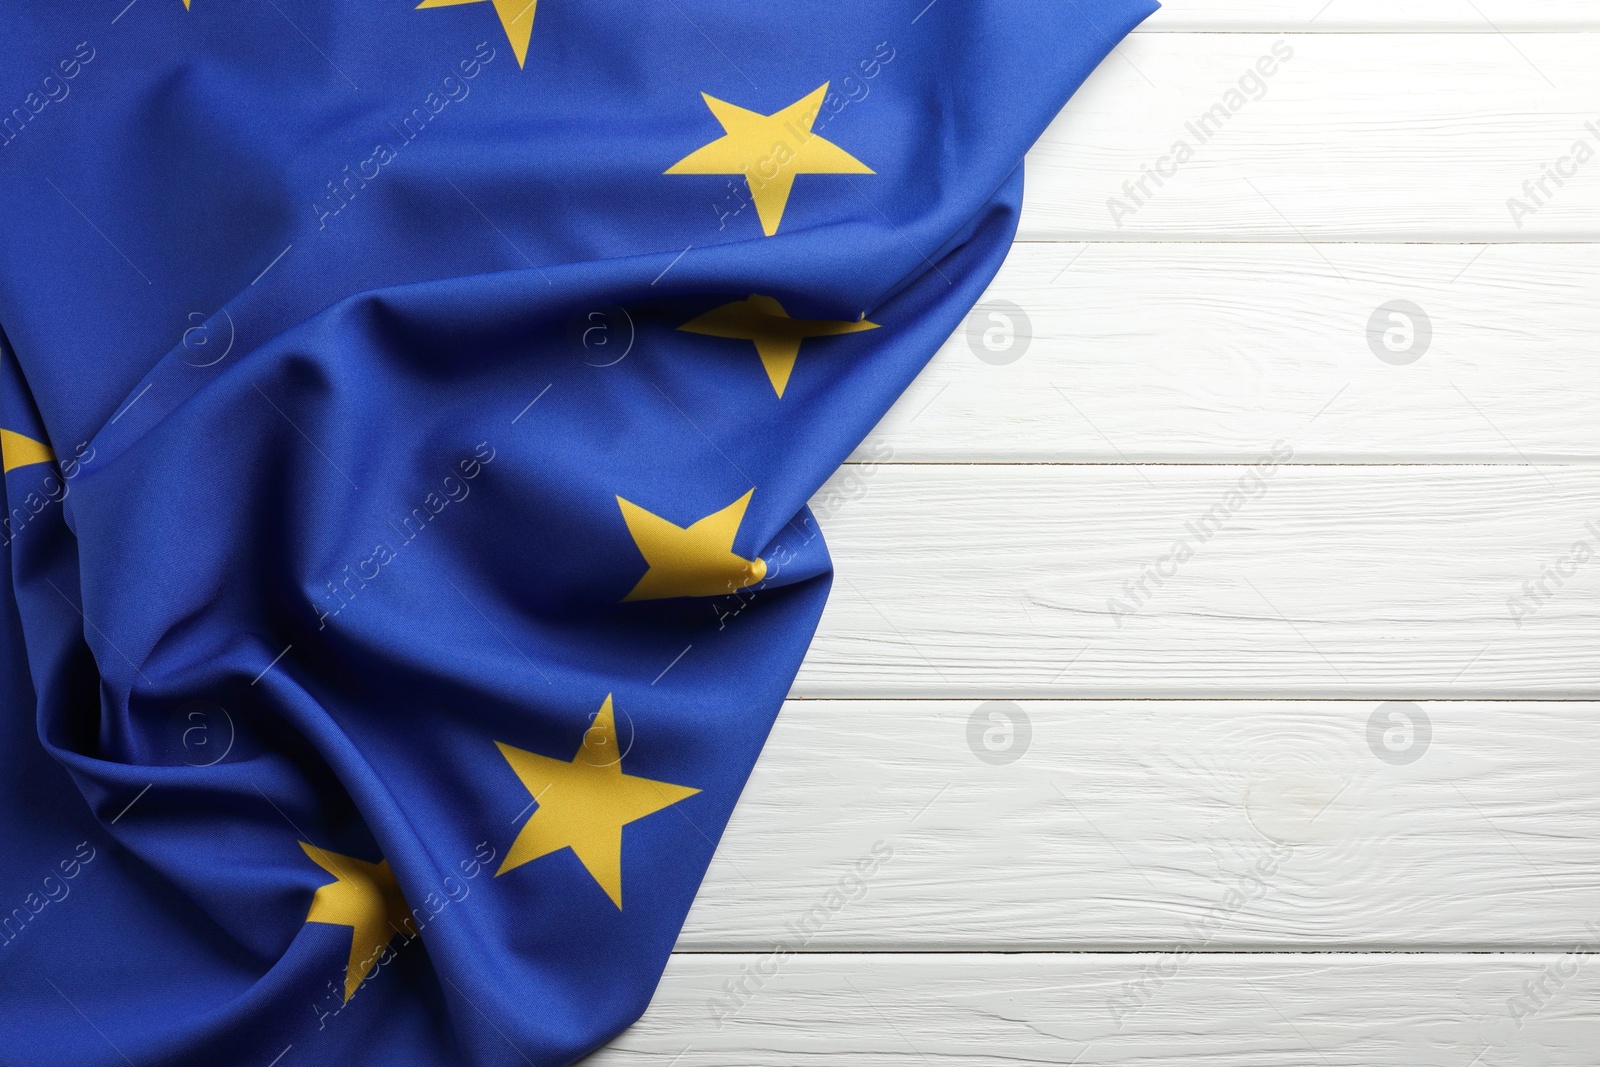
(412, 551)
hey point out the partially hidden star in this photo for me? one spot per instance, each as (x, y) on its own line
(693, 560)
(17, 450)
(769, 151)
(762, 321)
(516, 18)
(365, 897)
(584, 803)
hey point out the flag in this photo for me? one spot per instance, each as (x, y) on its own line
(409, 413)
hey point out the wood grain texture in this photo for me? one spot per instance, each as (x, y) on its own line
(1210, 352)
(1358, 137)
(1086, 825)
(1416, 539)
(1153, 1011)
(1382, 582)
(1329, 16)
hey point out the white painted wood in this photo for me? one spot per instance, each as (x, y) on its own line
(1204, 328)
(1330, 16)
(1384, 582)
(1004, 1011)
(1209, 352)
(1141, 824)
(1402, 137)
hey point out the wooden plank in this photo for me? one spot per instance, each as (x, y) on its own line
(1107, 353)
(1357, 137)
(1093, 825)
(1199, 828)
(1387, 582)
(1393, 16)
(912, 1010)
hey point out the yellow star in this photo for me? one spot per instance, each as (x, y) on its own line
(19, 451)
(769, 150)
(697, 560)
(364, 897)
(516, 16)
(777, 337)
(584, 804)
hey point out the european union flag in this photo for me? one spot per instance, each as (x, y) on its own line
(409, 413)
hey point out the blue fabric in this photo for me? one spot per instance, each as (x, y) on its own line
(347, 331)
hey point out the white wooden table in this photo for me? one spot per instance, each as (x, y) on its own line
(1320, 788)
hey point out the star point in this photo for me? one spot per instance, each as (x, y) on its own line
(516, 18)
(365, 897)
(763, 321)
(769, 151)
(17, 450)
(584, 803)
(693, 560)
